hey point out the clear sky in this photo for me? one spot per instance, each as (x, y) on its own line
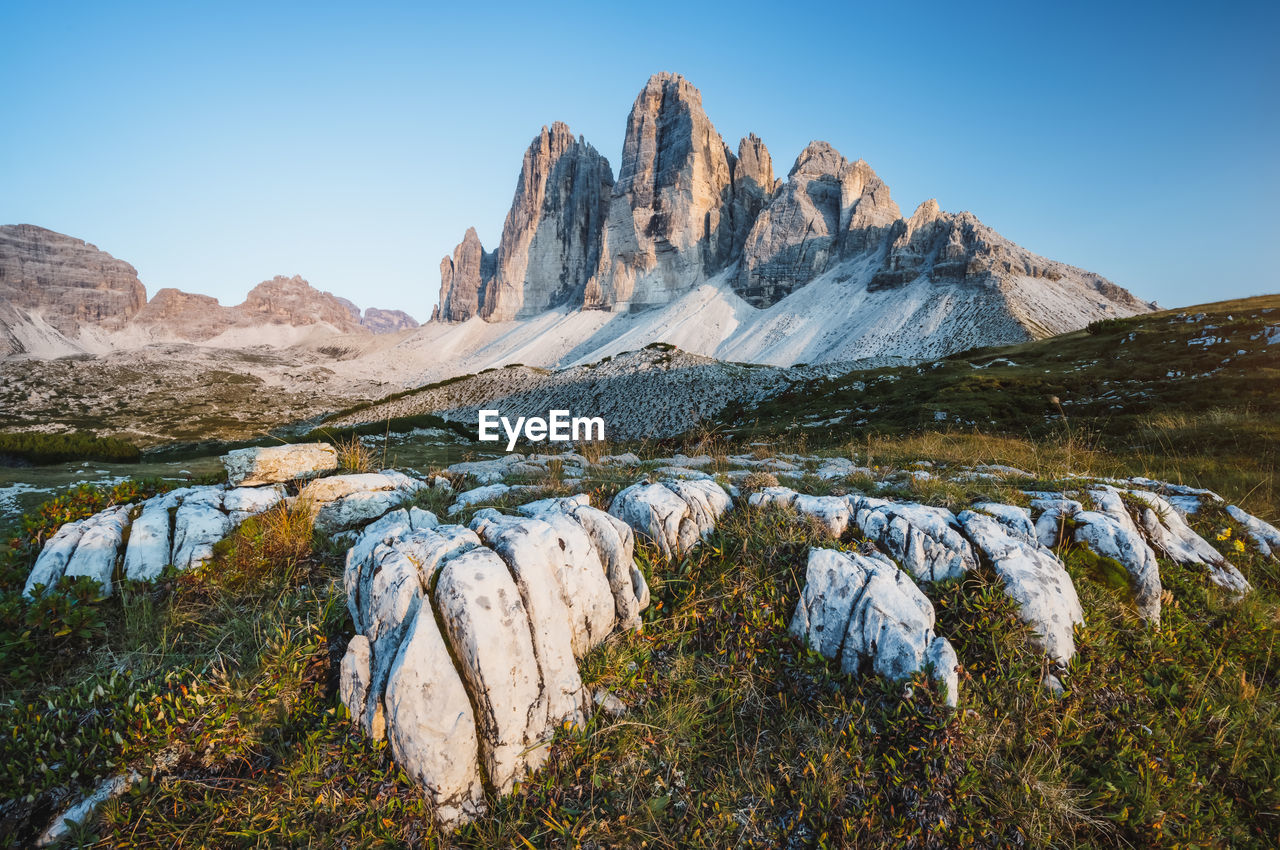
(214, 145)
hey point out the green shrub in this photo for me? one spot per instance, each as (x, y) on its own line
(37, 448)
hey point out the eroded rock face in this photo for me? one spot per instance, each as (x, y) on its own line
(1032, 576)
(1265, 536)
(831, 512)
(670, 220)
(68, 282)
(925, 540)
(462, 280)
(552, 237)
(1111, 533)
(870, 616)
(273, 464)
(468, 642)
(1169, 533)
(675, 515)
(828, 209)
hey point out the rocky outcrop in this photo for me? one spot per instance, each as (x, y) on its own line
(277, 464)
(829, 209)
(462, 280)
(466, 657)
(674, 515)
(281, 301)
(552, 237)
(670, 221)
(924, 539)
(1032, 576)
(753, 188)
(869, 615)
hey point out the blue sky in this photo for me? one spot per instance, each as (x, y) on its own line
(216, 145)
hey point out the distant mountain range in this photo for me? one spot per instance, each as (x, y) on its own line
(60, 295)
(691, 244)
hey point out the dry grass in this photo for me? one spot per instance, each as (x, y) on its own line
(354, 456)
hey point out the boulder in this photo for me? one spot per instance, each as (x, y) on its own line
(532, 551)
(675, 515)
(198, 525)
(830, 512)
(151, 537)
(487, 625)
(925, 540)
(1265, 536)
(52, 561)
(1032, 576)
(870, 616)
(277, 464)
(99, 546)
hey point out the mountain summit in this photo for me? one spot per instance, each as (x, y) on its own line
(686, 211)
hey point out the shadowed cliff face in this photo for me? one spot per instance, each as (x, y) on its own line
(686, 210)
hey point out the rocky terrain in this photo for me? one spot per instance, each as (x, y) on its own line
(471, 636)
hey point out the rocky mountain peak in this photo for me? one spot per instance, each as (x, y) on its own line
(293, 301)
(462, 279)
(828, 210)
(551, 240)
(670, 218)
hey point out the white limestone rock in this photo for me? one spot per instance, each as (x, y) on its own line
(244, 502)
(99, 547)
(430, 723)
(488, 627)
(925, 540)
(830, 512)
(658, 514)
(277, 464)
(532, 550)
(198, 525)
(1169, 533)
(1266, 537)
(51, 564)
(869, 615)
(615, 545)
(1032, 576)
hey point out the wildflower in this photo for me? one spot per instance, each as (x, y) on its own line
(1239, 544)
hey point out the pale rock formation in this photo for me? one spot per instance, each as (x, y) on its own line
(99, 547)
(829, 208)
(274, 464)
(670, 217)
(198, 525)
(674, 515)
(488, 627)
(340, 502)
(381, 321)
(151, 537)
(615, 544)
(753, 188)
(830, 512)
(869, 615)
(552, 237)
(534, 553)
(462, 280)
(1266, 537)
(1169, 533)
(1032, 575)
(51, 563)
(1111, 533)
(67, 282)
(925, 540)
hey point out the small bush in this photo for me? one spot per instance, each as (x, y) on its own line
(353, 455)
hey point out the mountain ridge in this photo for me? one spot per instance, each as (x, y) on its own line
(62, 295)
(685, 210)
